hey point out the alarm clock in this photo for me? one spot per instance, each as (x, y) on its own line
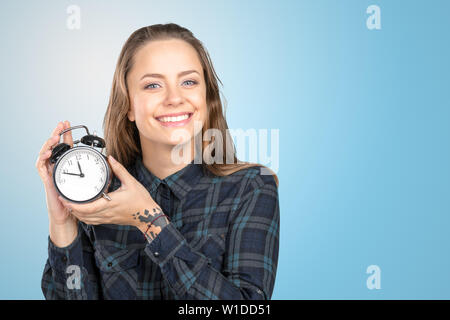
(81, 173)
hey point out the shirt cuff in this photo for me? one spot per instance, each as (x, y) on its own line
(171, 243)
(166, 243)
(60, 258)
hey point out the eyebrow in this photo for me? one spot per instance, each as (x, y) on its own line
(157, 75)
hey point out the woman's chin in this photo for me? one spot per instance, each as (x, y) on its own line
(180, 142)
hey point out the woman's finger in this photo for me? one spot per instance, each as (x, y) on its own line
(46, 148)
(45, 152)
(54, 138)
(49, 144)
(121, 172)
(40, 163)
(68, 135)
(97, 206)
(44, 155)
(58, 128)
(77, 214)
(52, 141)
(89, 219)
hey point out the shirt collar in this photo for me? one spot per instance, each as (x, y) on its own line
(180, 182)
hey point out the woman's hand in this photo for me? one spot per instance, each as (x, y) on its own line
(57, 213)
(131, 204)
(62, 225)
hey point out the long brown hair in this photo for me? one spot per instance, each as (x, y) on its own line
(121, 134)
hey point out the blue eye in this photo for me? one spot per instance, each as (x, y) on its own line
(193, 81)
(151, 84)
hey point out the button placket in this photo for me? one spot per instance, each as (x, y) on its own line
(165, 198)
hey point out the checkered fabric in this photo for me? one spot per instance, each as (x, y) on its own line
(221, 243)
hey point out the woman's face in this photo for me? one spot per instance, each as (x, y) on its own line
(167, 92)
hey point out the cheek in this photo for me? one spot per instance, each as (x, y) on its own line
(142, 107)
(199, 101)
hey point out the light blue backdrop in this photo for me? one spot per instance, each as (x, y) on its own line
(363, 118)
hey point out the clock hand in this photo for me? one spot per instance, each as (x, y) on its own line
(72, 174)
(79, 167)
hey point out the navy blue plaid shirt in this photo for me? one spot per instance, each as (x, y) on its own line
(221, 243)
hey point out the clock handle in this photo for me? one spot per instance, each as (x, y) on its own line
(76, 127)
(90, 140)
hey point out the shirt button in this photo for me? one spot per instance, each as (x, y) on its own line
(110, 264)
(156, 254)
(259, 291)
(64, 259)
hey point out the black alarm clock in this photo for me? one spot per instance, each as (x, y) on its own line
(81, 173)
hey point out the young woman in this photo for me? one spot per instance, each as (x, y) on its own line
(172, 230)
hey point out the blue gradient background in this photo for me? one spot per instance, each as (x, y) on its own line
(363, 118)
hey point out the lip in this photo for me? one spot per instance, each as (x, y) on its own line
(175, 123)
(173, 114)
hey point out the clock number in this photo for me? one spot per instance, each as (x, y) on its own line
(96, 160)
(78, 156)
(69, 162)
(62, 181)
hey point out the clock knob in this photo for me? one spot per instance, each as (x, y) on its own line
(58, 151)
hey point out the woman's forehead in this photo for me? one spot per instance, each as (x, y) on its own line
(166, 54)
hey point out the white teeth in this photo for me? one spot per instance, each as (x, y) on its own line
(174, 119)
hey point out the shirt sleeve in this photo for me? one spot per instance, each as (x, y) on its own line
(250, 258)
(69, 272)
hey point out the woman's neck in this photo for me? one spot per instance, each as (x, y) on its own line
(157, 158)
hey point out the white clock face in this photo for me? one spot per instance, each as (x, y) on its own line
(81, 174)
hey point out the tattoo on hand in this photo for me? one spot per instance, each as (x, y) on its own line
(147, 217)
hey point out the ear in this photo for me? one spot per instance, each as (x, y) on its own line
(130, 114)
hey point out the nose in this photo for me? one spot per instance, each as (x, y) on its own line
(174, 97)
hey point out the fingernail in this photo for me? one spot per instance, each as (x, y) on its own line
(112, 159)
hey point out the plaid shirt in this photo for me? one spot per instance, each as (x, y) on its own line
(221, 243)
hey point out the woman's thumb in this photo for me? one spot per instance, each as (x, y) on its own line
(119, 170)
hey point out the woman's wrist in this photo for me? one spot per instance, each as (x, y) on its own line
(63, 235)
(150, 220)
(153, 229)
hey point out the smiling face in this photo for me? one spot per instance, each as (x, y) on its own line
(167, 92)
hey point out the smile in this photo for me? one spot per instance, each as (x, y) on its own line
(175, 121)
